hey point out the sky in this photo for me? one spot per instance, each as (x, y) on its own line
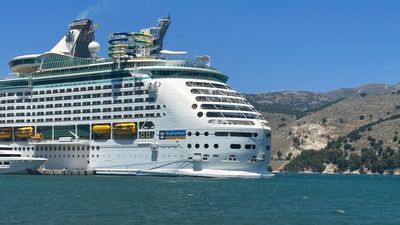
(262, 45)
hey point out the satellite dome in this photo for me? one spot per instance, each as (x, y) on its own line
(94, 47)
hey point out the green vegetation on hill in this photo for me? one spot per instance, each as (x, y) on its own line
(376, 158)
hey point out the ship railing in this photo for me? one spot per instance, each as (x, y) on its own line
(191, 63)
(9, 76)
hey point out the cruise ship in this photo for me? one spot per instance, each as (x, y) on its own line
(143, 110)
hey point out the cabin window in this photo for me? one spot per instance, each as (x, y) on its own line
(221, 134)
(235, 146)
(240, 134)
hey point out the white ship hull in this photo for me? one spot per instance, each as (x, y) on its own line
(20, 165)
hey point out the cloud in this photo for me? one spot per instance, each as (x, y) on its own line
(93, 10)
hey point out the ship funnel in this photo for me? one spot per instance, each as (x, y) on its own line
(76, 40)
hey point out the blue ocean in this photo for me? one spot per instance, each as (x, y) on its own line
(285, 199)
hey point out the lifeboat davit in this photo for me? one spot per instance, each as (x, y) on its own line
(38, 137)
(125, 128)
(25, 132)
(101, 129)
(5, 133)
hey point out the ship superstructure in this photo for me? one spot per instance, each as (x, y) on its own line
(136, 113)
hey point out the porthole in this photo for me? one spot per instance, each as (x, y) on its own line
(189, 133)
(206, 146)
(73, 148)
(92, 147)
(189, 145)
(78, 148)
(199, 114)
(197, 146)
(216, 145)
(98, 147)
(205, 133)
(23, 148)
(197, 134)
(194, 106)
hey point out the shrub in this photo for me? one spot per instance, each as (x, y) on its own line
(289, 156)
(347, 146)
(354, 162)
(279, 154)
(342, 163)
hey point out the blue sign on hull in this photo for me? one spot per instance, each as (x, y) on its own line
(172, 134)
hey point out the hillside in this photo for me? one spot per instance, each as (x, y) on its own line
(312, 120)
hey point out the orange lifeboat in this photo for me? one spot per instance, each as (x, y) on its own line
(25, 132)
(101, 128)
(5, 133)
(125, 128)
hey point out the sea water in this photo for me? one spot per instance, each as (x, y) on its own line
(285, 199)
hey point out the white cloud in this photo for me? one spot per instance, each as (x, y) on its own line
(93, 10)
